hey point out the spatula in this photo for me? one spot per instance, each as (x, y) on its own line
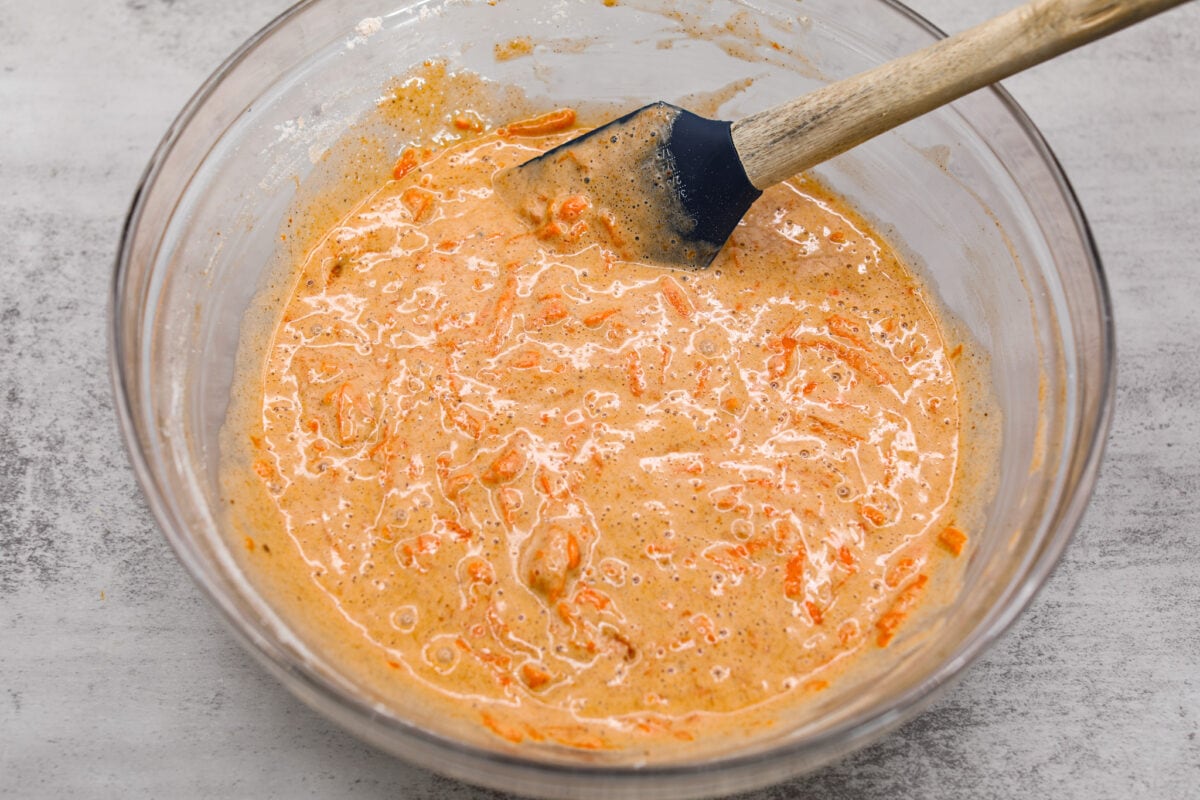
(672, 185)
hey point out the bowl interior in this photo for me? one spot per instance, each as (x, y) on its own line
(969, 193)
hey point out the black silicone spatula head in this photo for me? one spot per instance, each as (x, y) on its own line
(667, 183)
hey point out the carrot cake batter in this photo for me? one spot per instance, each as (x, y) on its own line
(588, 501)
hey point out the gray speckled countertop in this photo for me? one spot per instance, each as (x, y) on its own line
(118, 679)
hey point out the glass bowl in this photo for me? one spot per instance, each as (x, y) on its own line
(971, 194)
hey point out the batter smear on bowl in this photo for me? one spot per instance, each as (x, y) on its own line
(593, 502)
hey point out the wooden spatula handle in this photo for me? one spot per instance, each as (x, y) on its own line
(780, 142)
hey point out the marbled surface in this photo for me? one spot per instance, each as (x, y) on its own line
(117, 678)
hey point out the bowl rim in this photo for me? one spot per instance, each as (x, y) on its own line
(851, 734)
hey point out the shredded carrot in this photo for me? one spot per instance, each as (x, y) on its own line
(466, 421)
(407, 163)
(573, 554)
(527, 360)
(832, 430)
(534, 677)
(730, 501)
(637, 378)
(953, 540)
(702, 378)
(872, 515)
(549, 230)
(468, 121)
(577, 231)
(898, 573)
(510, 502)
(511, 734)
(505, 467)
(344, 402)
(780, 364)
(453, 486)
(571, 208)
(793, 584)
(853, 358)
(552, 311)
(842, 327)
(459, 533)
(418, 202)
(551, 122)
(552, 556)
(503, 311)
(609, 221)
(480, 571)
(577, 739)
(890, 622)
(675, 297)
(597, 319)
(586, 594)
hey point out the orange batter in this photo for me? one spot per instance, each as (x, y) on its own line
(589, 501)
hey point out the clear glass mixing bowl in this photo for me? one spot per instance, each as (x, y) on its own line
(970, 193)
